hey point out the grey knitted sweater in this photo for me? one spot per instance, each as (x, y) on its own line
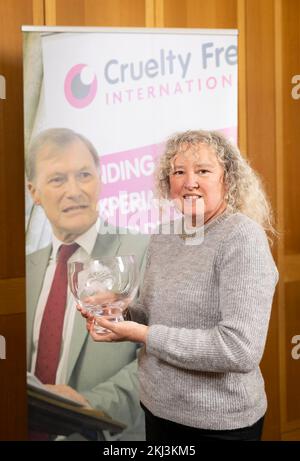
(208, 308)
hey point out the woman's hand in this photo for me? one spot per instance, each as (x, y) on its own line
(120, 331)
(87, 315)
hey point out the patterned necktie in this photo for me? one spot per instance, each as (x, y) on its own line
(50, 337)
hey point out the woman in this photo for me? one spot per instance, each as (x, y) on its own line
(204, 309)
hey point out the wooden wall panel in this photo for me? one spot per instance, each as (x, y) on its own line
(270, 372)
(13, 13)
(280, 211)
(242, 77)
(13, 414)
(260, 91)
(112, 13)
(292, 436)
(71, 13)
(129, 13)
(291, 124)
(200, 13)
(261, 151)
(288, 156)
(292, 372)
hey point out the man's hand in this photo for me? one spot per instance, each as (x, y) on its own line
(69, 392)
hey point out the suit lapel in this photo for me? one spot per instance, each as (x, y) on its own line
(36, 266)
(106, 245)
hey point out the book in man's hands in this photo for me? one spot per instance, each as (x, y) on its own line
(55, 414)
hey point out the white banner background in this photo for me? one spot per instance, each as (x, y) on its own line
(127, 91)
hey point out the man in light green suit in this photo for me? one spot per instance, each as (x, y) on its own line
(64, 178)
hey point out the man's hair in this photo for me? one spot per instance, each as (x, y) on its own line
(245, 192)
(55, 137)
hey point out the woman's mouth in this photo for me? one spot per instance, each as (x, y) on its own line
(191, 197)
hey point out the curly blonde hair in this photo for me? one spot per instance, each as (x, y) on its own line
(244, 192)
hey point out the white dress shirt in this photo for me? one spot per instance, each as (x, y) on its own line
(86, 244)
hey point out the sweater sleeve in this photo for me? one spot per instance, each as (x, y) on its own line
(247, 279)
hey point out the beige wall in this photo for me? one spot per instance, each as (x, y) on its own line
(269, 55)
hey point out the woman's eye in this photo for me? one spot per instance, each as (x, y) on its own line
(178, 172)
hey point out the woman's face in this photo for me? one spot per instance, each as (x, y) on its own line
(197, 182)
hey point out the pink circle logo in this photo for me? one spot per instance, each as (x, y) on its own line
(80, 86)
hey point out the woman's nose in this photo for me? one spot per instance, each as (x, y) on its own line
(191, 182)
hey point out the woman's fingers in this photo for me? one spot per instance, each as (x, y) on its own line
(107, 336)
(82, 311)
(118, 331)
(112, 330)
(89, 324)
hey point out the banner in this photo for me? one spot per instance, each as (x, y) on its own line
(127, 90)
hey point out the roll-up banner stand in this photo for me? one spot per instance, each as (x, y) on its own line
(126, 90)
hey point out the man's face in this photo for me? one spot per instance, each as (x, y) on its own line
(67, 186)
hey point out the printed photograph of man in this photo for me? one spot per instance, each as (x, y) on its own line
(63, 173)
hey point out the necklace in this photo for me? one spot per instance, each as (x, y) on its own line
(199, 230)
(185, 236)
(195, 233)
